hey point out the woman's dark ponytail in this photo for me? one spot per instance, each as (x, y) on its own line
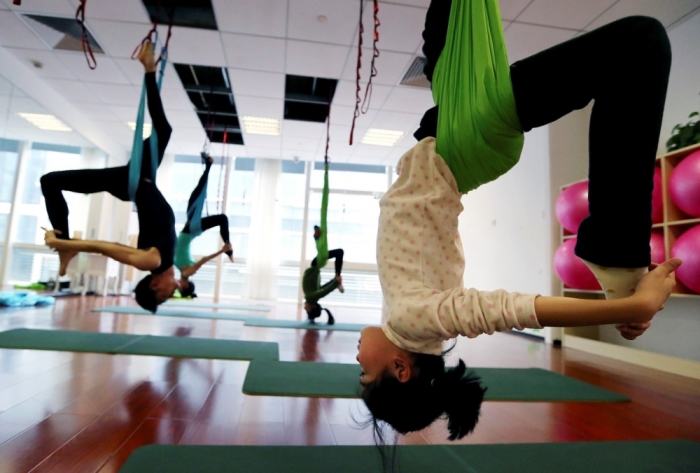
(462, 395)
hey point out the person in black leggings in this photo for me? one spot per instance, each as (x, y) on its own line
(156, 243)
(183, 256)
(313, 290)
(624, 68)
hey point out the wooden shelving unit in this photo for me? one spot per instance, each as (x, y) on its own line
(675, 222)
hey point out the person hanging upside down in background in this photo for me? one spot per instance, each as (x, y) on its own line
(194, 227)
(156, 243)
(473, 136)
(311, 284)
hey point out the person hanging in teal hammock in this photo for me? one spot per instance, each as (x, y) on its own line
(133, 182)
(194, 227)
(474, 135)
(311, 282)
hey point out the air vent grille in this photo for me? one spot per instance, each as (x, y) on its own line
(415, 76)
(60, 33)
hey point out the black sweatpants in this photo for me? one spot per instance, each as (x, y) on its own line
(338, 255)
(220, 220)
(624, 68)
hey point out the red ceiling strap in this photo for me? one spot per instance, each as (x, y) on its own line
(358, 89)
(375, 55)
(80, 19)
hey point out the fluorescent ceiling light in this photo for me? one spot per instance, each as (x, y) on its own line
(261, 126)
(45, 122)
(146, 128)
(375, 136)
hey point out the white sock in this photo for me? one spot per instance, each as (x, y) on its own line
(617, 282)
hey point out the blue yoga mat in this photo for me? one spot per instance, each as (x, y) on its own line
(206, 305)
(302, 325)
(195, 314)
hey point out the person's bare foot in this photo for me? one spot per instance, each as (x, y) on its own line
(147, 57)
(64, 258)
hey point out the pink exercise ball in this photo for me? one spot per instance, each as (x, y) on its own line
(657, 199)
(687, 248)
(658, 253)
(572, 270)
(572, 206)
(684, 185)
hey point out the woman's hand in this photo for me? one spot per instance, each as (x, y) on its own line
(654, 289)
(147, 57)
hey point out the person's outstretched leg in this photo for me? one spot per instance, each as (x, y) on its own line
(338, 255)
(83, 181)
(196, 193)
(624, 67)
(221, 221)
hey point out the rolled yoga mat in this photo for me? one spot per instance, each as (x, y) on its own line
(206, 305)
(310, 379)
(302, 325)
(124, 344)
(655, 456)
(195, 314)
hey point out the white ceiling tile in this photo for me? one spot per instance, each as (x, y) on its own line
(290, 154)
(134, 72)
(25, 105)
(401, 27)
(342, 115)
(316, 60)
(371, 151)
(338, 27)
(262, 141)
(666, 11)
(107, 71)
(416, 3)
(51, 7)
(299, 129)
(119, 38)
(345, 94)
(74, 91)
(183, 118)
(260, 107)
(525, 40)
(304, 144)
(175, 99)
(97, 111)
(186, 134)
(13, 32)
(122, 10)
(52, 66)
(410, 100)
(564, 13)
(254, 52)
(113, 94)
(259, 17)
(396, 121)
(196, 46)
(390, 66)
(265, 153)
(256, 83)
(510, 9)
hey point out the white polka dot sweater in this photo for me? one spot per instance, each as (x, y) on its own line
(421, 263)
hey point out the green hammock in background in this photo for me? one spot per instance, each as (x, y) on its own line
(322, 242)
(479, 134)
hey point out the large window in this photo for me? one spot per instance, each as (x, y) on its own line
(239, 204)
(8, 168)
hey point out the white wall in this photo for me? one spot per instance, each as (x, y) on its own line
(505, 226)
(684, 85)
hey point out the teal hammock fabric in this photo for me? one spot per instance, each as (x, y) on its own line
(137, 146)
(322, 242)
(479, 134)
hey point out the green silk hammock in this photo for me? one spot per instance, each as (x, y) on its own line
(479, 134)
(137, 146)
(322, 240)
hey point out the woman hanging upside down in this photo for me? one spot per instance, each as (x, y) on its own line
(473, 137)
(156, 243)
(194, 227)
(311, 284)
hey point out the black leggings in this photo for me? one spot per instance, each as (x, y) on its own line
(624, 67)
(212, 221)
(338, 255)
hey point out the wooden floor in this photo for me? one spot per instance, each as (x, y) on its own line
(64, 412)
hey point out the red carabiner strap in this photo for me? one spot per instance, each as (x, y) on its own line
(358, 89)
(85, 41)
(373, 73)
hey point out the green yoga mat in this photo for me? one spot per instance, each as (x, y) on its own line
(119, 343)
(302, 325)
(195, 314)
(656, 456)
(307, 379)
(206, 305)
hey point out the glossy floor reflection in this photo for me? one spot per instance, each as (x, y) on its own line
(64, 412)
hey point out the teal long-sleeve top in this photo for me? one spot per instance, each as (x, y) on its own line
(311, 285)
